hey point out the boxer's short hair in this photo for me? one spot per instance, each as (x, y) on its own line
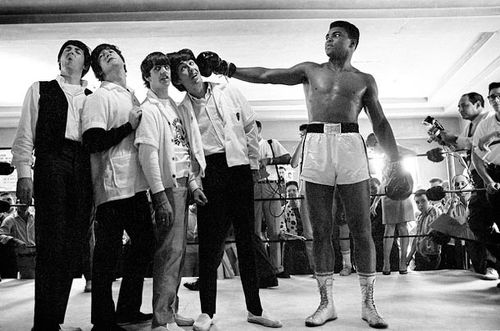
(176, 58)
(83, 47)
(351, 29)
(149, 62)
(96, 67)
(292, 182)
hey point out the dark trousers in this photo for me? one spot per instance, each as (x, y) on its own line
(229, 191)
(431, 262)
(133, 215)
(481, 219)
(63, 200)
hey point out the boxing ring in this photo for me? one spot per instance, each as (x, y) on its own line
(419, 300)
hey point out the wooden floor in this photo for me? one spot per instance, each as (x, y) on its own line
(436, 300)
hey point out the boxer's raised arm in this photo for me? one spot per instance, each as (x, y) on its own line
(291, 76)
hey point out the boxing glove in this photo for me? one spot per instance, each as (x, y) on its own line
(435, 193)
(209, 62)
(435, 154)
(400, 183)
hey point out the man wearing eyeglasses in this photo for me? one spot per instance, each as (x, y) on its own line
(486, 158)
(471, 108)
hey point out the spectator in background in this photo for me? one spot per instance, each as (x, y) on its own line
(452, 253)
(18, 230)
(436, 181)
(344, 241)
(486, 159)
(296, 161)
(271, 154)
(427, 252)
(8, 265)
(294, 250)
(395, 214)
(7, 197)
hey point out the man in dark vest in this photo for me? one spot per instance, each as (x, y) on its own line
(50, 126)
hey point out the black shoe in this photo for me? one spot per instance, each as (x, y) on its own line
(268, 282)
(193, 286)
(283, 274)
(112, 327)
(134, 318)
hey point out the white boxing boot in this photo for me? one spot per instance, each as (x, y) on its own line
(326, 310)
(368, 310)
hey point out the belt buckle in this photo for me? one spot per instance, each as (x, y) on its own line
(332, 128)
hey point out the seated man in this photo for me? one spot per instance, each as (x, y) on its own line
(427, 252)
(18, 229)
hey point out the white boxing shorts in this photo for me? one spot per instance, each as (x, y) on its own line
(334, 153)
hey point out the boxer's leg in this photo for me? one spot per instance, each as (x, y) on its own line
(319, 199)
(356, 200)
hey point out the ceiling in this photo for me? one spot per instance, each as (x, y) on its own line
(423, 54)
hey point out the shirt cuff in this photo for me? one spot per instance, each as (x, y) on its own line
(193, 185)
(254, 164)
(23, 171)
(158, 187)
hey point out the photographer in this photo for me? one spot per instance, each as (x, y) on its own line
(471, 108)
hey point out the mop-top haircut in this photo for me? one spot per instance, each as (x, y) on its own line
(176, 58)
(152, 60)
(83, 47)
(96, 67)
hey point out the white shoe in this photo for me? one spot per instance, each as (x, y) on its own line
(168, 327)
(203, 323)
(264, 319)
(490, 274)
(159, 328)
(69, 328)
(183, 321)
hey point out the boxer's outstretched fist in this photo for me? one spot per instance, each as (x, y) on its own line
(209, 62)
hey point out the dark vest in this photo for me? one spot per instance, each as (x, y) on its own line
(52, 117)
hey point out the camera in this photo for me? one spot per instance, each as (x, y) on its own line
(434, 130)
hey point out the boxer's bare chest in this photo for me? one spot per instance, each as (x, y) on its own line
(335, 96)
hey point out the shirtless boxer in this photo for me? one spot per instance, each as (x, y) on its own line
(336, 92)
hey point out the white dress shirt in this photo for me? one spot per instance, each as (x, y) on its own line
(22, 148)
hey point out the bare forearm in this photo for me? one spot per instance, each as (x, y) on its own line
(385, 136)
(292, 76)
